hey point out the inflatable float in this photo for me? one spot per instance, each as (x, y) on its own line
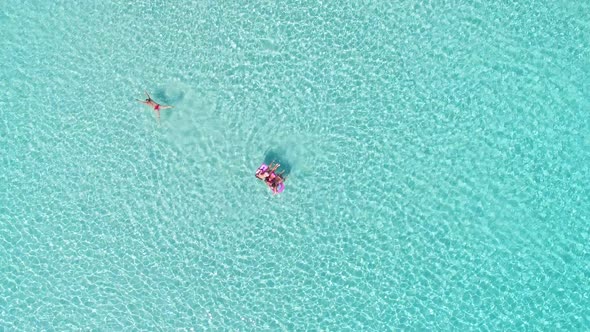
(260, 174)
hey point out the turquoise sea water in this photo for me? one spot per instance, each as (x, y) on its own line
(438, 155)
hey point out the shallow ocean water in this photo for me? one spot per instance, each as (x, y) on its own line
(438, 158)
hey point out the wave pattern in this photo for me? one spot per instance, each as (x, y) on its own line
(438, 153)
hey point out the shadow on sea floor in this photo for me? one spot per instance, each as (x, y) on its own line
(169, 97)
(279, 156)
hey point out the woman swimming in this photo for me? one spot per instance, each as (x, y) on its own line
(157, 107)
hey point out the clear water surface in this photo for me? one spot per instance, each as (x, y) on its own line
(438, 155)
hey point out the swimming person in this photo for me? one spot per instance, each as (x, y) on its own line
(157, 107)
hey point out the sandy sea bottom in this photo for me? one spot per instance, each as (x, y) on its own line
(437, 156)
